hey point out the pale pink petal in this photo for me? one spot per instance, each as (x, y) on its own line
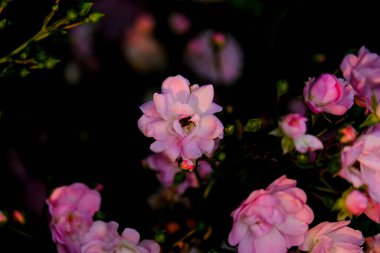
(163, 103)
(191, 150)
(347, 65)
(247, 245)
(150, 245)
(131, 235)
(178, 87)
(238, 232)
(201, 98)
(308, 143)
(272, 242)
(149, 109)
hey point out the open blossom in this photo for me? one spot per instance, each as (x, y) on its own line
(271, 220)
(328, 94)
(72, 208)
(333, 237)
(365, 150)
(104, 238)
(363, 72)
(181, 119)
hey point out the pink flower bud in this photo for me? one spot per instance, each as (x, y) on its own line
(348, 134)
(187, 165)
(356, 202)
(328, 94)
(293, 125)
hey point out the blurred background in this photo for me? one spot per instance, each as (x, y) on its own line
(78, 121)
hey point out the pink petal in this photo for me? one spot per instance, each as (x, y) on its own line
(90, 203)
(131, 235)
(349, 61)
(150, 245)
(163, 102)
(149, 109)
(201, 98)
(272, 242)
(247, 245)
(178, 87)
(191, 150)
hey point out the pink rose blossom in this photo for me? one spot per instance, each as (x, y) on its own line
(333, 237)
(72, 208)
(356, 202)
(363, 72)
(181, 119)
(328, 94)
(365, 150)
(293, 125)
(215, 61)
(271, 220)
(104, 238)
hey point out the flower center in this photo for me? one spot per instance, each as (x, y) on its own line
(187, 125)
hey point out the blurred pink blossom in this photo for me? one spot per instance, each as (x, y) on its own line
(179, 23)
(181, 119)
(333, 237)
(328, 94)
(271, 220)
(215, 61)
(104, 238)
(308, 143)
(356, 202)
(141, 49)
(363, 72)
(72, 208)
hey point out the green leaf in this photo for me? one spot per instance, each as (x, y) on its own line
(287, 144)
(95, 17)
(371, 120)
(229, 130)
(253, 125)
(282, 88)
(277, 132)
(85, 8)
(3, 23)
(71, 15)
(179, 177)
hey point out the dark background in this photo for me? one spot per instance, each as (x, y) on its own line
(88, 132)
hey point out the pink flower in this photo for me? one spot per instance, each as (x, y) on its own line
(363, 72)
(365, 150)
(356, 202)
(104, 238)
(308, 143)
(179, 23)
(333, 237)
(348, 134)
(166, 170)
(71, 208)
(215, 61)
(271, 220)
(293, 125)
(181, 119)
(328, 94)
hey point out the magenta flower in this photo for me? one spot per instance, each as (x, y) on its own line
(181, 119)
(271, 220)
(104, 238)
(328, 94)
(333, 237)
(72, 208)
(363, 72)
